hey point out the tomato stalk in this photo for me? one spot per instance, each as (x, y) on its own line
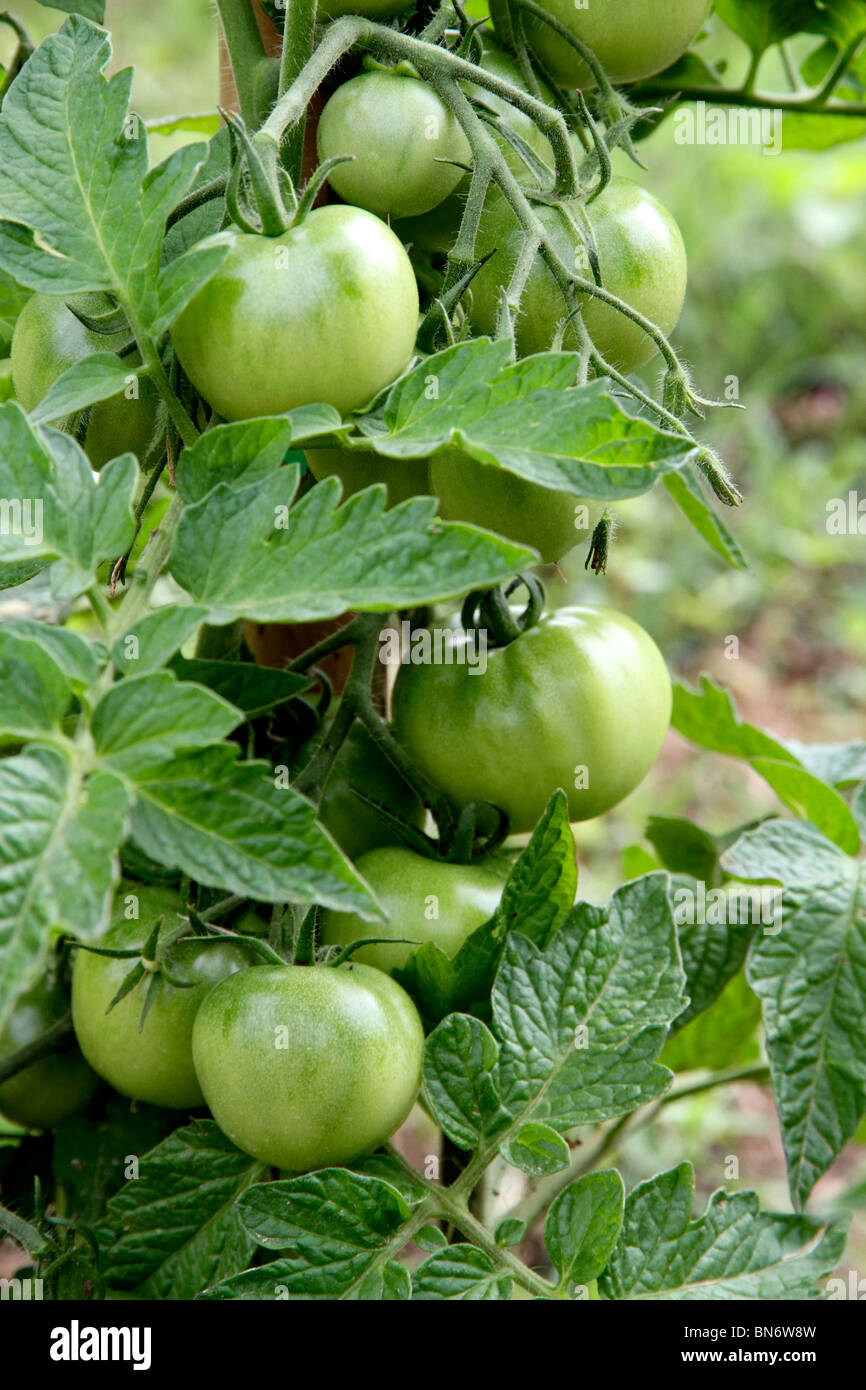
(52, 1040)
(246, 51)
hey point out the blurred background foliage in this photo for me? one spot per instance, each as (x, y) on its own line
(777, 258)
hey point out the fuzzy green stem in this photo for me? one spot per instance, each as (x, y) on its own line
(245, 49)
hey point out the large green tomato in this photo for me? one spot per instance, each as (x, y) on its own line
(355, 826)
(425, 899)
(49, 1090)
(581, 701)
(642, 259)
(551, 520)
(305, 1066)
(408, 148)
(155, 1064)
(632, 39)
(328, 311)
(48, 340)
(356, 470)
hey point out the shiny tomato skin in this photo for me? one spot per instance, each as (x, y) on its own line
(632, 39)
(580, 701)
(426, 900)
(307, 1066)
(326, 312)
(48, 1091)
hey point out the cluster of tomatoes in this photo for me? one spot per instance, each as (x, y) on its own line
(301, 1066)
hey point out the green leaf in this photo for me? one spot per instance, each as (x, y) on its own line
(71, 653)
(686, 492)
(56, 508)
(733, 1251)
(81, 210)
(837, 764)
(201, 123)
(91, 1155)
(96, 378)
(461, 1272)
(713, 951)
(34, 692)
(227, 824)
(248, 451)
(91, 9)
(337, 1231)
(526, 417)
(175, 1228)
(539, 892)
(537, 1150)
(724, 1035)
(142, 721)
(762, 23)
(155, 638)
(582, 1227)
(709, 719)
(810, 976)
(253, 552)
(510, 1232)
(684, 847)
(250, 688)
(58, 839)
(460, 1060)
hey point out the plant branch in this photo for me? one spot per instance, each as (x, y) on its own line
(245, 49)
(34, 1051)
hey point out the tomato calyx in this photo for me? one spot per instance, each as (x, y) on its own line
(490, 611)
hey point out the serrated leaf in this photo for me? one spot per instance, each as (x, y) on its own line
(175, 1228)
(733, 1251)
(71, 653)
(582, 1227)
(227, 824)
(709, 718)
(257, 553)
(461, 1272)
(536, 1149)
(460, 1061)
(338, 1231)
(809, 973)
(155, 638)
(91, 1154)
(248, 451)
(762, 23)
(142, 721)
(34, 692)
(837, 764)
(250, 688)
(57, 859)
(526, 417)
(56, 508)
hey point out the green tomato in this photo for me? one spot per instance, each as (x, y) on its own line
(355, 826)
(642, 259)
(356, 470)
(49, 1090)
(550, 520)
(49, 339)
(425, 899)
(154, 1064)
(327, 312)
(632, 39)
(436, 231)
(305, 1066)
(581, 701)
(407, 145)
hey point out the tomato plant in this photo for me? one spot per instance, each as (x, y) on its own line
(352, 1032)
(331, 319)
(426, 900)
(147, 1056)
(407, 149)
(49, 339)
(346, 776)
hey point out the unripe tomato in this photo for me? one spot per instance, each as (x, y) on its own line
(357, 470)
(48, 1091)
(581, 701)
(631, 38)
(425, 899)
(355, 826)
(154, 1064)
(407, 146)
(48, 340)
(549, 519)
(326, 312)
(642, 259)
(305, 1066)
